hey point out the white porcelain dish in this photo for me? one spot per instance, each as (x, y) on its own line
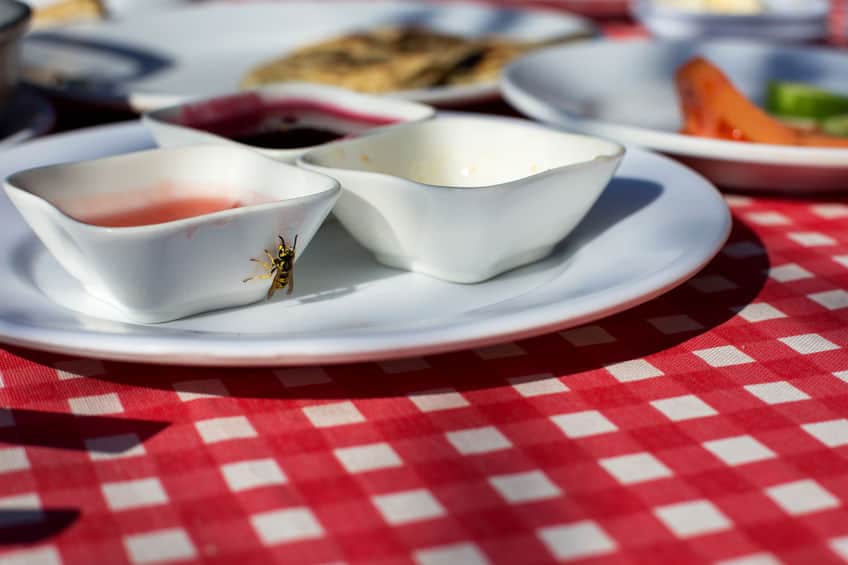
(778, 20)
(162, 271)
(465, 198)
(655, 226)
(625, 91)
(278, 107)
(210, 47)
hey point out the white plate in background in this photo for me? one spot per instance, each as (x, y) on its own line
(780, 20)
(654, 227)
(624, 90)
(159, 58)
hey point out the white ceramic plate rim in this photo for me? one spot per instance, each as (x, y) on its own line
(140, 100)
(186, 347)
(667, 142)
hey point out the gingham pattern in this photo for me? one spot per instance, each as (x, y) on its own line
(708, 426)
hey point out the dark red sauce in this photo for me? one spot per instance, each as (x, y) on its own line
(288, 137)
(281, 124)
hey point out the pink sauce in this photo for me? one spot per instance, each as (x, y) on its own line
(287, 123)
(161, 212)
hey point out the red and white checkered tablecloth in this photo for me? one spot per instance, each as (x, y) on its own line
(707, 426)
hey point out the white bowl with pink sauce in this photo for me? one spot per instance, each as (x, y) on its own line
(166, 233)
(281, 121)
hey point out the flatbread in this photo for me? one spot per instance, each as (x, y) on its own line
(390, 59)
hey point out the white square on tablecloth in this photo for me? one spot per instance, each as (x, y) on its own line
(437, 399)
(123, 495)
(40, 556)
(841, 259)
(709, 284)
(408, 365)
(160, 545)
(635, 370)
(739, 450)
(743, 249)
(809, 343)
(587, 335)
(20, 509)
(223, 429)
(408, 506)
(583, 424)
(831, 300)
(478, 440)
(577, 540)
(500, 351)
(76, 368)
(302, 376)
(333, 414)
(245, 475)
(675, 324)
(692, 518)
(114, 447)
(841, 375)
(832, 433)
(686, 407)
(830, 211)
(454, 554)
(768, 218)
(286, 525)
(369, 457)
(723, 356)
(811, 239)
(839, 546)
(205, 388)
(778, 392)
(789, 272)
(537, 385)
(13, 459)
(759, 312)
(753, 559)
(802, 497)
(524, 487)
(96, 405)
(635, 468)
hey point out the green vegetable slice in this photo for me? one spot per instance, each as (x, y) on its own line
(836, 125)
(804, 101)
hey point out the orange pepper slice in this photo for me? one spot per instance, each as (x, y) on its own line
(713, 107)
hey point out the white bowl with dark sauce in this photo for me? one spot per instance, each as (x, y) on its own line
(280, 121)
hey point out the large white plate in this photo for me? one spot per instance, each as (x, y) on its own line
(158, 58)
(655, 226)
(625, 91)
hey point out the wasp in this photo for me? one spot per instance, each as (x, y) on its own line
(281, 267)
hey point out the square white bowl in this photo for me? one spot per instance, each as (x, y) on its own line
(159, 272)
(285, 105)
(465, 198)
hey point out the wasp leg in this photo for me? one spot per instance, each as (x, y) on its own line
(266, 276)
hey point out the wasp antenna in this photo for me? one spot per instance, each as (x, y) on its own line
(294, 246)
(282, 241)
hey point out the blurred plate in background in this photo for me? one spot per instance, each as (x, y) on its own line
(778, 20)
(624, 90)
(160, 58)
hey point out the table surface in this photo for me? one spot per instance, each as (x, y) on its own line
(707, 426)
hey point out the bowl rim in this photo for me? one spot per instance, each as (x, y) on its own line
(333, 187)
(18, 22)
(304, 161)
(343, 98)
